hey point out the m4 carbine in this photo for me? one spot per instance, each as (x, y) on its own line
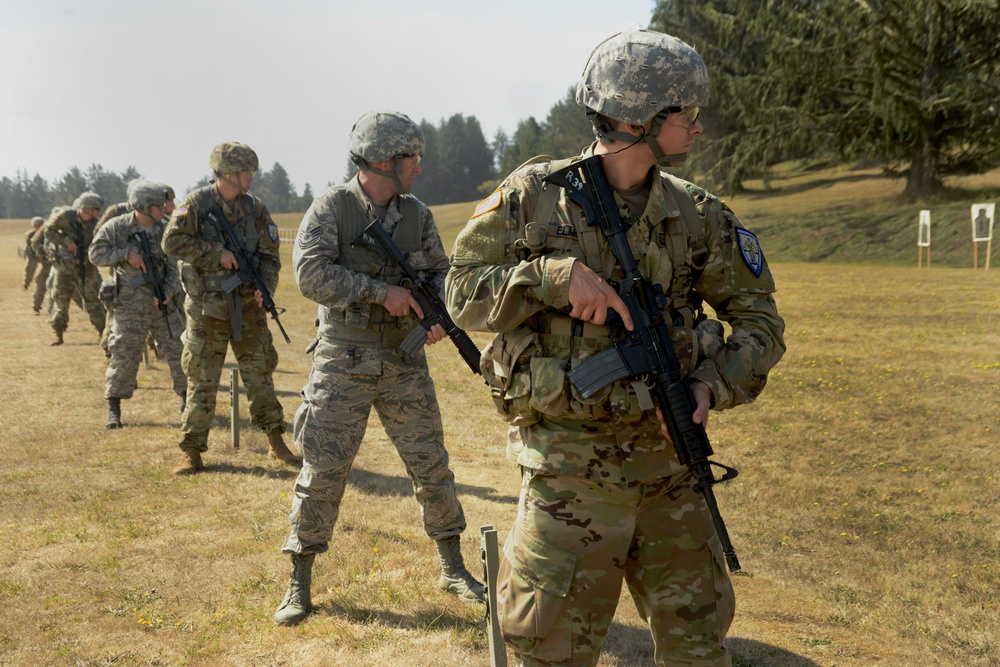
(645, 353)
(245, 273)
(375, 237)
(153, 277)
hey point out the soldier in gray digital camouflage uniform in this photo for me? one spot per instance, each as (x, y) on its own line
(65, 232)
(137, 312)
(603, 496)
(30, 258)
(365, 312)
(217, 319)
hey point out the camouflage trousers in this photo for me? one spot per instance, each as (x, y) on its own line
(206, 341)
(40, 279)
(30, 266)
(135, 316)
(330, 425)
(573, 542)
(66, 283)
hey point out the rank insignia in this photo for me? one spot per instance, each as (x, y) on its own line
(750, 249)
(490, 203)
(308, 237)
(272, 232)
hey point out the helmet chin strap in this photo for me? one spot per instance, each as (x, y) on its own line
(233, 183)
(606, 133)
(394, 175)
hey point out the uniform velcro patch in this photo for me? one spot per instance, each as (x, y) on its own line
(750, 249)
(180, 210)
(490, 203)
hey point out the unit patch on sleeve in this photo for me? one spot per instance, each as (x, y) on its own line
(750, 249)
(272, 232)
(490, 203)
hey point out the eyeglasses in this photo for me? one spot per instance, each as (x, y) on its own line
(414, 158)
(688, 116)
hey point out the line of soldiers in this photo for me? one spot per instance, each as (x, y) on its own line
(604, 499)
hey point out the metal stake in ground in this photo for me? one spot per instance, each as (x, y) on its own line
(490, 551)
(234, 404)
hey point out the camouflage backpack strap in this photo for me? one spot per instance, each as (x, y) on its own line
(684, 303)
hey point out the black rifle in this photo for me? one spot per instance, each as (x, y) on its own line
(153, 277)
(81, 258)
(435, 312)
(246, 273)
(646, 351)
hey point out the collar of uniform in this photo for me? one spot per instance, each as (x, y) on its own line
(392, 214)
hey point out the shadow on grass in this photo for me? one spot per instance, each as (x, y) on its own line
(431, 619)
(629, 644)
(377, 484)
(287, 474)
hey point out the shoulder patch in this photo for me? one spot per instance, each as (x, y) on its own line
(750, 249)
(489, 204)
(272, 232)
(308, 237)
(179, 211)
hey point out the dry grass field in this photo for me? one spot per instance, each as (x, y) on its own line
(865, 513)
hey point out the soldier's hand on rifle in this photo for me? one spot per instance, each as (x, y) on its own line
(436, 334)
(260, 297)
(702, 394)
(591, 296)
(399, 302)
(228, 261)
(136, 260)
(71, 246)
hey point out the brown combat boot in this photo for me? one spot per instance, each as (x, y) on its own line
(58, 340)
(191, 463)
(279, 450)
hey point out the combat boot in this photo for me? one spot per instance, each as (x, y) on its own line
(455, 579)
(114, 419)
(279, 450)
(298, 599)
(191, 463)
(58, 340)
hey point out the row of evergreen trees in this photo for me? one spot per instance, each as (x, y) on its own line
(459, 165)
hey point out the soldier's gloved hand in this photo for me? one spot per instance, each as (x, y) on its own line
(591, 296)
(136, 260)
(702, 400)
(228, 261)
(399, 302)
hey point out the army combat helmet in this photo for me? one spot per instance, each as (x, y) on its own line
(231, 157)
(641, 75)
(143, 194)
(88, 200)
(379, 136)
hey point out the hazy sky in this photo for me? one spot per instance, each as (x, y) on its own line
(156, 84)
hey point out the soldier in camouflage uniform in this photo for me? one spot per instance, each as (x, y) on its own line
(64, 233)
(365, 312)
(34, 249)
(217, 319)
(603, 497)
(30, 259)
(107, 293)
(137, 312)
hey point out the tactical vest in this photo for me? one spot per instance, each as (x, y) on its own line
(246, 232)
(685, 231)
(526, 368)
(368, 324)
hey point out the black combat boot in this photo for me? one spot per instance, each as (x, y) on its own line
(114, 419)
(298, 599)
(59, 339)
(455, 579)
